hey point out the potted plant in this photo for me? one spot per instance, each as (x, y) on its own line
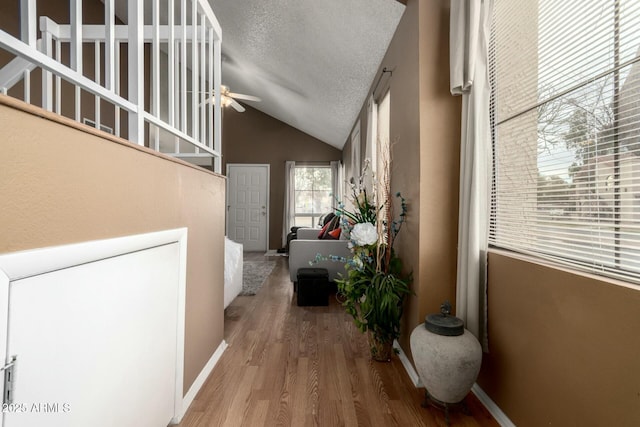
(374, 287)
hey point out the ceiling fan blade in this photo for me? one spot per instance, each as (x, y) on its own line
(236, 106)
(243, 96)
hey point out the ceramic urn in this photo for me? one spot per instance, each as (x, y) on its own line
(446, 355)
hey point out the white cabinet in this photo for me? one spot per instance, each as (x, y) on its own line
(99, 342)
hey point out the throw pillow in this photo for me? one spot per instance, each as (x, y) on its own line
(334, 234)
(332, 225)
(324, 230)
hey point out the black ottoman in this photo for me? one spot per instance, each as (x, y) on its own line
(313, 286)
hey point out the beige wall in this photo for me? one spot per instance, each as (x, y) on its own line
(564, 348)
(60, 185)
(425, 148)
(439, 164)
(254, 137)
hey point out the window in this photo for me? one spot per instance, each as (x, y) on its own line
(382, 165)
(355, 151)
(566, 132)
(313, 194)
(383, 145)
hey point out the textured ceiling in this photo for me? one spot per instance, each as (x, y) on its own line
(312, 62)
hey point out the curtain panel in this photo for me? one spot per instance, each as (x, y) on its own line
(470, 26)
(336, 182)
(289, 199)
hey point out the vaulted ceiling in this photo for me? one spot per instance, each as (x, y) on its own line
(312, 62)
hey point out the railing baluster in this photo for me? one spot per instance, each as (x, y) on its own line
(58, 79)
(203, 76)
(170, 61)
(76, 49)
(171, 68)
(217, 108)
(109, 46)
(183, 66)
(155, 69)
(177, 98)
(136, 69)
(116, 65)
(194, 70)
(97, 65)
(209, 105)
(27, 86)
(47, 80)
(28, 22)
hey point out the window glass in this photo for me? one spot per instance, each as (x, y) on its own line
(313, 194)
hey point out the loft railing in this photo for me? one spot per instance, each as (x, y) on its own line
(80, 71)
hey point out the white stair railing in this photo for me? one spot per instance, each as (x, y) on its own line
(184, 54)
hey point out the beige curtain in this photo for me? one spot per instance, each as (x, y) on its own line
(470, 23)
(288, 218)
(336, 182)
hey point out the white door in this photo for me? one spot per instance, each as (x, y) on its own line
(248, 205)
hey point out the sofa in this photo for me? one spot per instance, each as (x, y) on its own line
(307, 245)
(293, 234)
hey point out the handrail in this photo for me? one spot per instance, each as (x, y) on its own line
(23, 50)
(13, 72)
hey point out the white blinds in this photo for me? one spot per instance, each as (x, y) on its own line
(566, 130)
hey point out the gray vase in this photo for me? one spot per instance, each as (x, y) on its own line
(447, 357)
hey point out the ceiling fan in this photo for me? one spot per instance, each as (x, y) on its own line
(229, 98)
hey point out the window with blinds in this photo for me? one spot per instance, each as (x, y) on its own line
(566, 132)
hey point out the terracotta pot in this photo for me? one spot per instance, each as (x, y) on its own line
(380, 350)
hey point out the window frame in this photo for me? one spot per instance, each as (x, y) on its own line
(315, 216)
(608, 263)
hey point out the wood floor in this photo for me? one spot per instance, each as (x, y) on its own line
(307, 366)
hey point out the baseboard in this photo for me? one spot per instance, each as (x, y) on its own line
(491, 406)
(415, 378)
(200, 379)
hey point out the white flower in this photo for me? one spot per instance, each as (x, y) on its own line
(364, 233)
